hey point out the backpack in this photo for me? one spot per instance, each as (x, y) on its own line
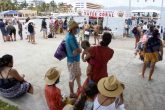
(30, 28)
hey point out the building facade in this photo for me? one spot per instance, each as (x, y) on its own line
(65, 8)
(80, 5)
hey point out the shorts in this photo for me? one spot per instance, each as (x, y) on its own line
(32, 34)
(13, 31)
(74, 70)
(151, 57)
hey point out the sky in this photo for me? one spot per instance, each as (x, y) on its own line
(113, 3)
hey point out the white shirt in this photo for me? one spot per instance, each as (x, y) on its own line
(97, 106)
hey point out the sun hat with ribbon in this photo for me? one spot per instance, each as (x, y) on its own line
(72, 24)
(110, 86)
(52, 75)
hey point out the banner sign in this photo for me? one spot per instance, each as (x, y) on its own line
(103, 13)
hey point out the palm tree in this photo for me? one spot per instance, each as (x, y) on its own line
(52, 4)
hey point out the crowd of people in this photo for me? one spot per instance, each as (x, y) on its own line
(99, 91)
(50, 29)
(9, 31)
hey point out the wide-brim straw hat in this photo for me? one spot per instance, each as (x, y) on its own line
(52, 75)
(72, 25)
(68, 107)
(110, 86)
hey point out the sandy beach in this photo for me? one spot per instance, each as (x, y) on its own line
(35, 60)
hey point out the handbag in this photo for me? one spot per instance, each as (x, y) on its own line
(61, 53)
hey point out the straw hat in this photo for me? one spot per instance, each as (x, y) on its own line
(72, 24)
(68, 107)
(110, 86)
(51, 76)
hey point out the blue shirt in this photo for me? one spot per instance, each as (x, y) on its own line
(71, 45)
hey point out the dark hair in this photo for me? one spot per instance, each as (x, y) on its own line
(155, 33)
(85, 44)
(106, 39)
(27, 19)
(5, 60)
(89, 91)
(151, 28)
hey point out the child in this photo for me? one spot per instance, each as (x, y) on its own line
(86, 57)
(53, 93)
